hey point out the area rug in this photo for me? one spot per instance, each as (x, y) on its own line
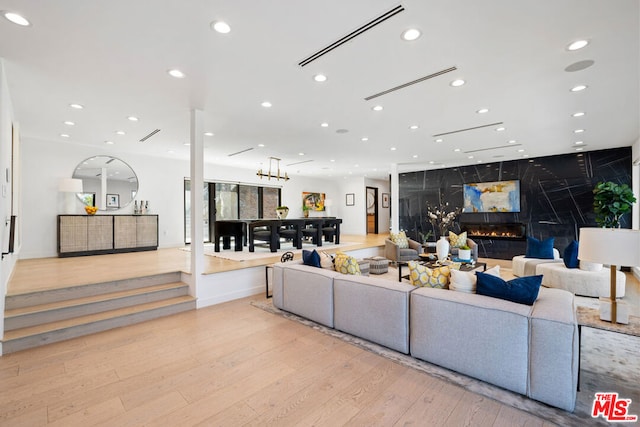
(262, 251)
(610, 362)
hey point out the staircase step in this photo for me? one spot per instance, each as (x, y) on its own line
(34, 336)
(24, 317)
(62, 294)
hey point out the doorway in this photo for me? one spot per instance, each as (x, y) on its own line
(372, 210)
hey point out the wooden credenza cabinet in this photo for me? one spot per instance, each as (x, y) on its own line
(106, 234)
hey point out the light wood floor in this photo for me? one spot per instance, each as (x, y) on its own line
(51, 273)
(230, 364)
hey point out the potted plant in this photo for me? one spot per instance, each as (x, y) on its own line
(610, 202)
(282, 212)
(305, 211)
(464, 253)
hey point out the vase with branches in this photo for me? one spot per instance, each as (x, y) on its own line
(442, 217)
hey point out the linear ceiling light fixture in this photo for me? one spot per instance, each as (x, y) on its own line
(240, 152)
(298, 163)
(269, 175)
(402, 86)
(374, 22)
(144, 138)
(468, 129)
(493, 148)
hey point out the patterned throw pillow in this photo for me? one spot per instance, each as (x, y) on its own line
(400, 239)
(419, 275)
(346, 264)
(457, 240)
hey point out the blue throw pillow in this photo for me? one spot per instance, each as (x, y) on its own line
(570, 255)
(539, 249)
(311, 258)
(523, 290)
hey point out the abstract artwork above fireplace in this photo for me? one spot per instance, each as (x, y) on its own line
(497, 196)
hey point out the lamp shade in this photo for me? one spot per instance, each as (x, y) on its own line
(613, 246)
(70, 185)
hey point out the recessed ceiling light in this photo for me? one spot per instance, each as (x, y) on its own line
(320, 78)
(414, 127)
(364, 139)
(457, 150)
(266, 104)
(578, 88)
(377, 108)
(76, 106)
(578, 44)
(356, 166)
(521, 150)
(525, 155)
(221, 27)
(208, 134)
(458, 82)
(579, 142)
(579, 148)
(578, 131)
(411, 34)
(393, 148)
(69, 123)
(187, 144)
(120, 132)
(300, 154)
(260, 145)
(500, 129)
(324, 125)
(109, 142)
(16, 18)
(439, 140)
(332, 160)
(578, 114)
(170, 151)
(176, 73)
(64, 135)
(482, 111)
(132, 118)
(415, 156)
(478, 161)
(511, 141)
(469, 157)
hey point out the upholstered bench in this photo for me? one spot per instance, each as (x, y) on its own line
(581, 282)
(523, 266)
(378, 264)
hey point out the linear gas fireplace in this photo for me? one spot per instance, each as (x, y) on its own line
(503, 231)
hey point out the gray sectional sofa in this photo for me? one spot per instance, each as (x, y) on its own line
(531, 350)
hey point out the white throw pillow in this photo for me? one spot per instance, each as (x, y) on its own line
(325, 260)
(465, 281)
(590, 266)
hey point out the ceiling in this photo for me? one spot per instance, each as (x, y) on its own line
(113, 57)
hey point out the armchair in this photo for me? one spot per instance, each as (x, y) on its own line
(266, 230)
(394, 253)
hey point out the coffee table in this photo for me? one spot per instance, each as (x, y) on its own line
(590, 317)
(434, 264)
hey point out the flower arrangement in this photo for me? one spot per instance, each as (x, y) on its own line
(439, 216)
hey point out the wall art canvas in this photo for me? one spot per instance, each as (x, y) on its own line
(498, 196)
(313, 201)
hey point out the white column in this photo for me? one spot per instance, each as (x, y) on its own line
(197, 195)
(395, 201)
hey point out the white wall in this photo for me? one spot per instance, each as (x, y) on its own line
(160, 182)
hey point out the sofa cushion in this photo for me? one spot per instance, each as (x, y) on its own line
(420, 275)
(465, 281)
(400, 240)
(346, 264)
(590, 266)
(325, 260)
(570, 255)
(539, 249)
(311, 258)
(523, 290)
(457, 240)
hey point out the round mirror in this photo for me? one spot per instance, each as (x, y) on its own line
(107, 182)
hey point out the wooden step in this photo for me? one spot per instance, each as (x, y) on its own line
(34, 336)
(62, 294)
(24, 317)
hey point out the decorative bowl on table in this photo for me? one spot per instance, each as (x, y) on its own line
(90, 210)
(427, 257)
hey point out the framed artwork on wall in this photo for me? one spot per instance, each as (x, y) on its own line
(385, 200)
(313, 201)
(497, 196)
(113, 200)
(351, 199)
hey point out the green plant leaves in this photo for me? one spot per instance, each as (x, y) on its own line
(610, 202)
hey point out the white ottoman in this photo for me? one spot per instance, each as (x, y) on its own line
(581, 282)
(523, 266)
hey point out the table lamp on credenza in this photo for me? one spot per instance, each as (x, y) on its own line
(615, 247)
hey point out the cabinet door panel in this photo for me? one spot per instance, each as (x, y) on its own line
(125, 231)
(73, 233)
(147, 231)
(100, 232)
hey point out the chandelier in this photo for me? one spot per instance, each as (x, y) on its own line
(269, 175)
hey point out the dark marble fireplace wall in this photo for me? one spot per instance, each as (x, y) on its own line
(556, 196)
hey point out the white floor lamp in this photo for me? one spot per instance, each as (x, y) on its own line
(615, 247)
